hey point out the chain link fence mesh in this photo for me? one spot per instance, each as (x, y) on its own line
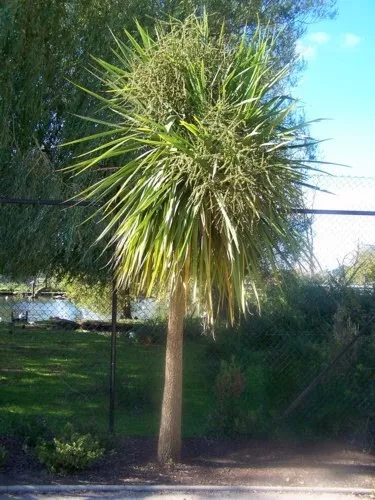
(56, 347)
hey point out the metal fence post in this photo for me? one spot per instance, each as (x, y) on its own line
(112, 379)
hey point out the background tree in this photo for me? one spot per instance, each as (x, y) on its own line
(208, 176)
(43, 45)
(364, 266)
(356, 269)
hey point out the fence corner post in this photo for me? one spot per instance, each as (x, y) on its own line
(112, 378)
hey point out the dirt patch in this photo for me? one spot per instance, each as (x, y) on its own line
(208, 461)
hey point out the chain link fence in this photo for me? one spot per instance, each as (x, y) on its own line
(59, 355)
(304, 367)
(346, 229)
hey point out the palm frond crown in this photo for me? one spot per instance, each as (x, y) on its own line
(211, 165)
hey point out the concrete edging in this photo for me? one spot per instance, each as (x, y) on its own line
(176, 488)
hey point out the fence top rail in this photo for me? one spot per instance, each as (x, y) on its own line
(32, 201)
(317, 211)
(82, 203)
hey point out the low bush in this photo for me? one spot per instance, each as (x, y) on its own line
(228, 418)
(30, 428)
(70, 452)
(3, 456)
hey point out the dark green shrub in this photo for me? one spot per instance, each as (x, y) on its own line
(228, 418)
(70, 452)
(3, 456)
(193, 329)
(29, 428)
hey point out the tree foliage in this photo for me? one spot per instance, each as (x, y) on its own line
(213, 172)
(44, 45)
(357, 269)
(364, 266)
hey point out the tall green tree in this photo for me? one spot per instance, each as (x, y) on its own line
(44, 45)
(210, 169)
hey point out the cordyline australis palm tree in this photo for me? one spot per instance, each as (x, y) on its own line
(209, 172)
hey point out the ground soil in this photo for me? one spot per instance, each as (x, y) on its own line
(205, 461)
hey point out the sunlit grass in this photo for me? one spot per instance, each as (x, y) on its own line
(58, 376)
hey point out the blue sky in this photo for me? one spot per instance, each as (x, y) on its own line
(339, 83)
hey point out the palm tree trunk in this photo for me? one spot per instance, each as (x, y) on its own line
(169, 448)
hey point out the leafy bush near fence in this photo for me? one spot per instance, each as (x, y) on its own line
(3, 456)
(30, 428)
(70, 452)
(229, 417)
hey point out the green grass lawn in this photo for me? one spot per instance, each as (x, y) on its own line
(50, 377)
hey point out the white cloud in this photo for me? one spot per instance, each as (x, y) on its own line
(308, 52)
(350, 40)
(319, 37)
